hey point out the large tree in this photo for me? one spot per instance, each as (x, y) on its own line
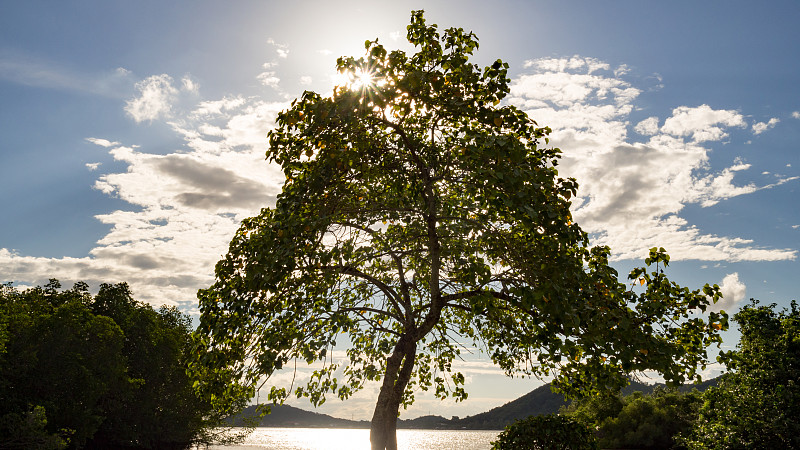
(420, 214)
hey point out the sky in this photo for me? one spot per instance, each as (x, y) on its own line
(133, 134)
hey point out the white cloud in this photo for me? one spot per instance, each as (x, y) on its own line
(305, 80)
(575, 63)
(702, 123)
(187, 203)
(156, 95)
(631, 194)
(269, 78)
(102, 142)
(647, 127)
(189, 85)
(93, 166)
(760, 127)
(217, 107)
(733, 291)
(281, 49)
(621, 70)
(796, 114)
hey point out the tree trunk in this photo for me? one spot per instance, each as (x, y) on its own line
(383, 430)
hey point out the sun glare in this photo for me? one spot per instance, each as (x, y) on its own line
(360, 80)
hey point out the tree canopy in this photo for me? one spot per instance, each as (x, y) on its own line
(420, 215)
(102, 371)
(546, 432)
(757, 403)
(639, 421)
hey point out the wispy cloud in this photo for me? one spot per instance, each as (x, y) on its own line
(269, 77)
(102, 142)
(31, 71)
(281, 49)
(189, 85)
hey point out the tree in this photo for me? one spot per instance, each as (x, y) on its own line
(157, 408)
(546, 432)
(418, 214)
(59, 357)
(639, 421)
(757, 403)
(27, 430)
(100, 371)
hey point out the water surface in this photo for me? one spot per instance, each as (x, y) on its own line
(358, 439)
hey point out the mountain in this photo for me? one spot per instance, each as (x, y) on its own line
(540, 401)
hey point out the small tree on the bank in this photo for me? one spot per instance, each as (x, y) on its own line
(419, 212)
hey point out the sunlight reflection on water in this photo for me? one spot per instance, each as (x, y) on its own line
(344, 439)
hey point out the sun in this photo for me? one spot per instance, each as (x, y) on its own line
(360, 80)
(364, 79)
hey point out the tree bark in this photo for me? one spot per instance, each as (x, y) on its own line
(399, 366)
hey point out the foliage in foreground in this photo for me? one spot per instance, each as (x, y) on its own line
(98, 371)
(637, 421)
(546, 432)
(757, 403)
(419, 213)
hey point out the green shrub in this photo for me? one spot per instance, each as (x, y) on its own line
(548, 432)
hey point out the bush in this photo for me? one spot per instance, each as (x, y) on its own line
(548, 432)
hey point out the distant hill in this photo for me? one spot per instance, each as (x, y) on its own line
(540, 401)
(286, 416)
(543, 400)
(537, 402)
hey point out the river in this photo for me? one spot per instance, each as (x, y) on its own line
(358, 439)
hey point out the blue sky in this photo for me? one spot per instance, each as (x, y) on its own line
(132, 134)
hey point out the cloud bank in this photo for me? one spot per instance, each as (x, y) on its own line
(632, 193)
(185, 204)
